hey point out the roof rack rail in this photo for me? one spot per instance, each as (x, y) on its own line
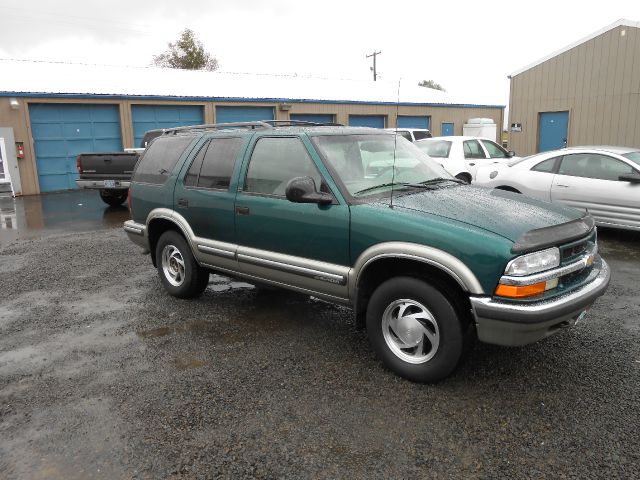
(217, 126)
(301, 123)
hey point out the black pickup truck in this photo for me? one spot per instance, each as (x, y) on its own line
(110, 172)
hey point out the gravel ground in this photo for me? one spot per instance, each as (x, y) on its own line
(103, 375)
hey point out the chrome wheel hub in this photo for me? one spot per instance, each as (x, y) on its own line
(173, 265)
(410, 331)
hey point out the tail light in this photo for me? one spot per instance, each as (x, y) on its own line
(129, 199)
(78, 165)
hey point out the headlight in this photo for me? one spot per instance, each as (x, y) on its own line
(533, 262)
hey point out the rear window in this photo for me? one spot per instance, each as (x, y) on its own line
(421, 135)
(436, 149)
(159, 159)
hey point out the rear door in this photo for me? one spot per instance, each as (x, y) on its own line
(205, 194)
(589, 181)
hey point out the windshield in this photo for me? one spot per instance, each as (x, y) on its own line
(633, 156)
(519, 160)
(365, 163)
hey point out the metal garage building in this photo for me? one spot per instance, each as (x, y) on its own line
(588, 93)
(58, 110)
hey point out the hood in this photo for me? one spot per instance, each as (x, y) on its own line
(507, 214)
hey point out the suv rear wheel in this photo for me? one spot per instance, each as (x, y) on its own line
(180, 273)
(414, 329)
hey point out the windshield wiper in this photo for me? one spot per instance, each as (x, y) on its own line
(440, 180)
(382, 185)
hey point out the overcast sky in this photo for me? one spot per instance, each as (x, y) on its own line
(469, 47)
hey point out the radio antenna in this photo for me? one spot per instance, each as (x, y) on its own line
(395, 142)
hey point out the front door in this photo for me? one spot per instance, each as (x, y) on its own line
(303, 244)
(552, 131)
(589, 181)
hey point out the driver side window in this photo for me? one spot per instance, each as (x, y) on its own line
(275, 161)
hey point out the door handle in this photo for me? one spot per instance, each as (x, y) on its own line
(562, 186)
(183, 202)
(472, 164)
(242, 210)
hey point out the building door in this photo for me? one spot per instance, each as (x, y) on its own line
(151, 117)
(414, 121)
(313, 117)
(62, 131)
(375, 121)
(243, 114)
(552, 130)
(447, 129)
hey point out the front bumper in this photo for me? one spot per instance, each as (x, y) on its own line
(137, 233)
(99, 184)
(509, 323)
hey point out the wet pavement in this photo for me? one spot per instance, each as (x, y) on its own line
(74, 211)
(103, 375)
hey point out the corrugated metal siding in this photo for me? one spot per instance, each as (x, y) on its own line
(598, 82)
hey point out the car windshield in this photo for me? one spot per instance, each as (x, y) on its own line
(633, 156)
(365, 163)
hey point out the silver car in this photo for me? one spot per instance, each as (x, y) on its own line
(604, 180)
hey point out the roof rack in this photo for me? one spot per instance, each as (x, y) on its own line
(301, 123)
(218, 126)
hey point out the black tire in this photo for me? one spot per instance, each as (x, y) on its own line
(465, 177)
(186, 282)
(113, 198)
(444, 325)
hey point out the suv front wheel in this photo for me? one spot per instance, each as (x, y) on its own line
(180, 273)
(414, 329)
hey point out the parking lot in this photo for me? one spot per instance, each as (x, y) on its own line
(104, 375)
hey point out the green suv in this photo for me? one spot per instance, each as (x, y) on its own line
(362, 217)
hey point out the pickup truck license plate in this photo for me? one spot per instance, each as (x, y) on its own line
(109, 183)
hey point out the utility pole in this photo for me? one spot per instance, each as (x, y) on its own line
(374, 55)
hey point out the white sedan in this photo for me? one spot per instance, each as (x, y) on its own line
(603, 180)
(473, 151)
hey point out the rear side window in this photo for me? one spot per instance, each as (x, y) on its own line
(218, 163)
(160, 158)
(472, 149)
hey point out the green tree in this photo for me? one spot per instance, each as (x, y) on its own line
(187, 53)
(431, 84)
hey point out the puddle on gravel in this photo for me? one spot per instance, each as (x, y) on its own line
(188, 361)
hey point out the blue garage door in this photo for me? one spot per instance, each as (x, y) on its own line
(62, 131)
(150, 117)
(376, 121)
(552, 130)
(414, 121)
(243, 114)
(313, 117)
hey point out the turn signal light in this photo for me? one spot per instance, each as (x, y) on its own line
(519, 291)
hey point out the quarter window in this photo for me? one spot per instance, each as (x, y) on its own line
(548, 165)
(160, 158)
(472, 149)
(275, 161)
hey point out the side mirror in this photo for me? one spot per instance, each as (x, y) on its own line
(630, 177)
(303, 190)
(511, 153)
